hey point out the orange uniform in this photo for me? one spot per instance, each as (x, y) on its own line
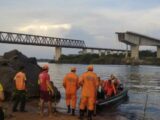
(109, 88)
(70, 84)
(20, 96)
(20, 79)
(89, 83)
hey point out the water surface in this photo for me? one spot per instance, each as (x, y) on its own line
(143, 83)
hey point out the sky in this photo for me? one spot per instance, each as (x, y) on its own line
(94, 21)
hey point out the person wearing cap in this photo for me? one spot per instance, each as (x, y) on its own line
(1, 99)
(20, 90)
(89, 83)
(46, 90)
(70, 83)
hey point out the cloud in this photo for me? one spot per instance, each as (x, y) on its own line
(140, 21)
(104, 22)
(81, 33)
(93, 21)
(44, 27)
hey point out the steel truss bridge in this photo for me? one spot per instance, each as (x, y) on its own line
(27, 39)
(58, 43)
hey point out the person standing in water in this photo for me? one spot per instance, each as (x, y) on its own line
(70, 83)
(89, 83)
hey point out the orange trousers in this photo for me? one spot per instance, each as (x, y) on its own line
(71, 99)
(88, 102)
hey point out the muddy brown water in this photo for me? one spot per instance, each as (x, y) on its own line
(143, 83)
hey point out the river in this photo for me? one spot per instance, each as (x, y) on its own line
(143, 83)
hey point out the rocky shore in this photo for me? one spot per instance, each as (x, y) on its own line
(10, 63)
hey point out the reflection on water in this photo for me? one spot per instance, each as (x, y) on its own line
(143, 83)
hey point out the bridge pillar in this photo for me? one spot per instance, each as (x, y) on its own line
(84, 51)
(99, 52)
(126, 52)
(158, 51)
(109, 52)
(135, 51)
(106, 52)
(92, 51)
(118, 53)
(58, 52)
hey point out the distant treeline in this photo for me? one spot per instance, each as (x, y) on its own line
(146, 57)
(45, 60)
(92, 59)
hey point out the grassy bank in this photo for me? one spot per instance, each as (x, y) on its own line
(146, 58)
(92, 59)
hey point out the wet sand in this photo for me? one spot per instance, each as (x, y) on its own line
(58, 116)
(33, 114)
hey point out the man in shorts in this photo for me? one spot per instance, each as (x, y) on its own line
(46, 91)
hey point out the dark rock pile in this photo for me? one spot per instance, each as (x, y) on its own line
(10, 63)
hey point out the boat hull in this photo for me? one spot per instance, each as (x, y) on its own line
(122, 95)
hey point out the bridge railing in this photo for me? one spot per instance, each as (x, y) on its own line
(28, 39)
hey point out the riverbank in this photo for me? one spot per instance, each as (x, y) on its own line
(33, 114)
(110, 59)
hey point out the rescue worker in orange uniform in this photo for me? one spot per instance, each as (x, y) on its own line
(109, 87)
(89, 83)
(20, 95)
(70, 83)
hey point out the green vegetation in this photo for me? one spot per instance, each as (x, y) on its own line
(146, 58)
(92, 59)
(147, 54)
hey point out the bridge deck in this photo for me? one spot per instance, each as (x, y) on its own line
(109, 49)
(121, 36)
(28, 39)
(37, 40)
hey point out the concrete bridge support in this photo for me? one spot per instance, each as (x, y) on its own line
(84, 51)
(158, 51)
(99, 52)
(92, 51)
(126, 54)
(118, 53)
(111, 52)
(58, 52)
(106, 52)
(135, 51)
